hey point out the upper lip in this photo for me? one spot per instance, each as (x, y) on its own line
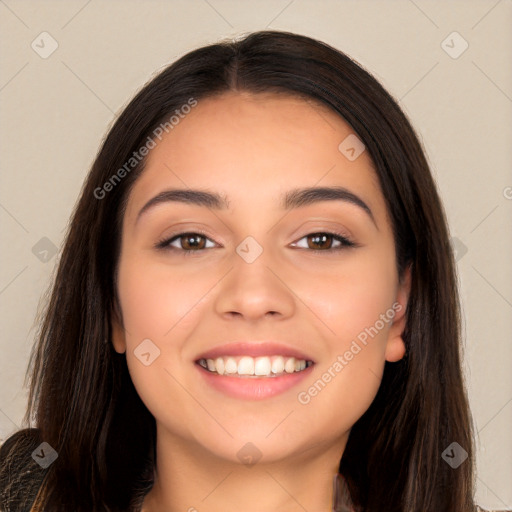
(254, 349)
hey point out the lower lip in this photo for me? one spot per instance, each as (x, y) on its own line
(251, 388)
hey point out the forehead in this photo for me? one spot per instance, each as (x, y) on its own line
(253, 147)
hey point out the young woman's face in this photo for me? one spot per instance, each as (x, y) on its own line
(256, 279)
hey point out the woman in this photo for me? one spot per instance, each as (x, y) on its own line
(256, 299)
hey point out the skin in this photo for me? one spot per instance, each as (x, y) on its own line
(253, 148)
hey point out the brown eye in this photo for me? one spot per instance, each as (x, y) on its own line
(320, 241)
(192, 241)
(186, 243)
(325, 242)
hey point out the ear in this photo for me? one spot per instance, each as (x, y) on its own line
(118, 333)
(395, 346)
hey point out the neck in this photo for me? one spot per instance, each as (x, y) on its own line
(190, 479)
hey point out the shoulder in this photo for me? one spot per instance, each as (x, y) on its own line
(20, 474)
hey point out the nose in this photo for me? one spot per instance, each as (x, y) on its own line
(256, 290)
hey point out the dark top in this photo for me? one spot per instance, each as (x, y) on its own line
(21, 476)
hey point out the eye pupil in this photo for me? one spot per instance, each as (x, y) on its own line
(194, 245)
(319, 238)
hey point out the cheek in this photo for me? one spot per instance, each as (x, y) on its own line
(158, 305)
(164, 305)
(157, 299)
(354, 305)
(350, 296)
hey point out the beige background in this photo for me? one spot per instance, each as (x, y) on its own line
(55, 111)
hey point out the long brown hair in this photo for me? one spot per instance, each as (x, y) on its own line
(81, 393)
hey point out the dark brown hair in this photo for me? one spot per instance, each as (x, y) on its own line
(81, 393)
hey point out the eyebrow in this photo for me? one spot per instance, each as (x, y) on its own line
(294, 198)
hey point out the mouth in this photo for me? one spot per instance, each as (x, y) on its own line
(254, 367)
(253, 370)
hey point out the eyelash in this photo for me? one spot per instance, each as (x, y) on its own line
(164, 244)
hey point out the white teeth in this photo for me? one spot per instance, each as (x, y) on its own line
(246, 366)
(262, 366)
(278, 365)
(219, 365)
(266, 366)
(230, 365)
(289, 366)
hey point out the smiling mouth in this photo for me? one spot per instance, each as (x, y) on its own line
(255, 367)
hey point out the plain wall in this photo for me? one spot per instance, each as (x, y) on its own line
(56, 110)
